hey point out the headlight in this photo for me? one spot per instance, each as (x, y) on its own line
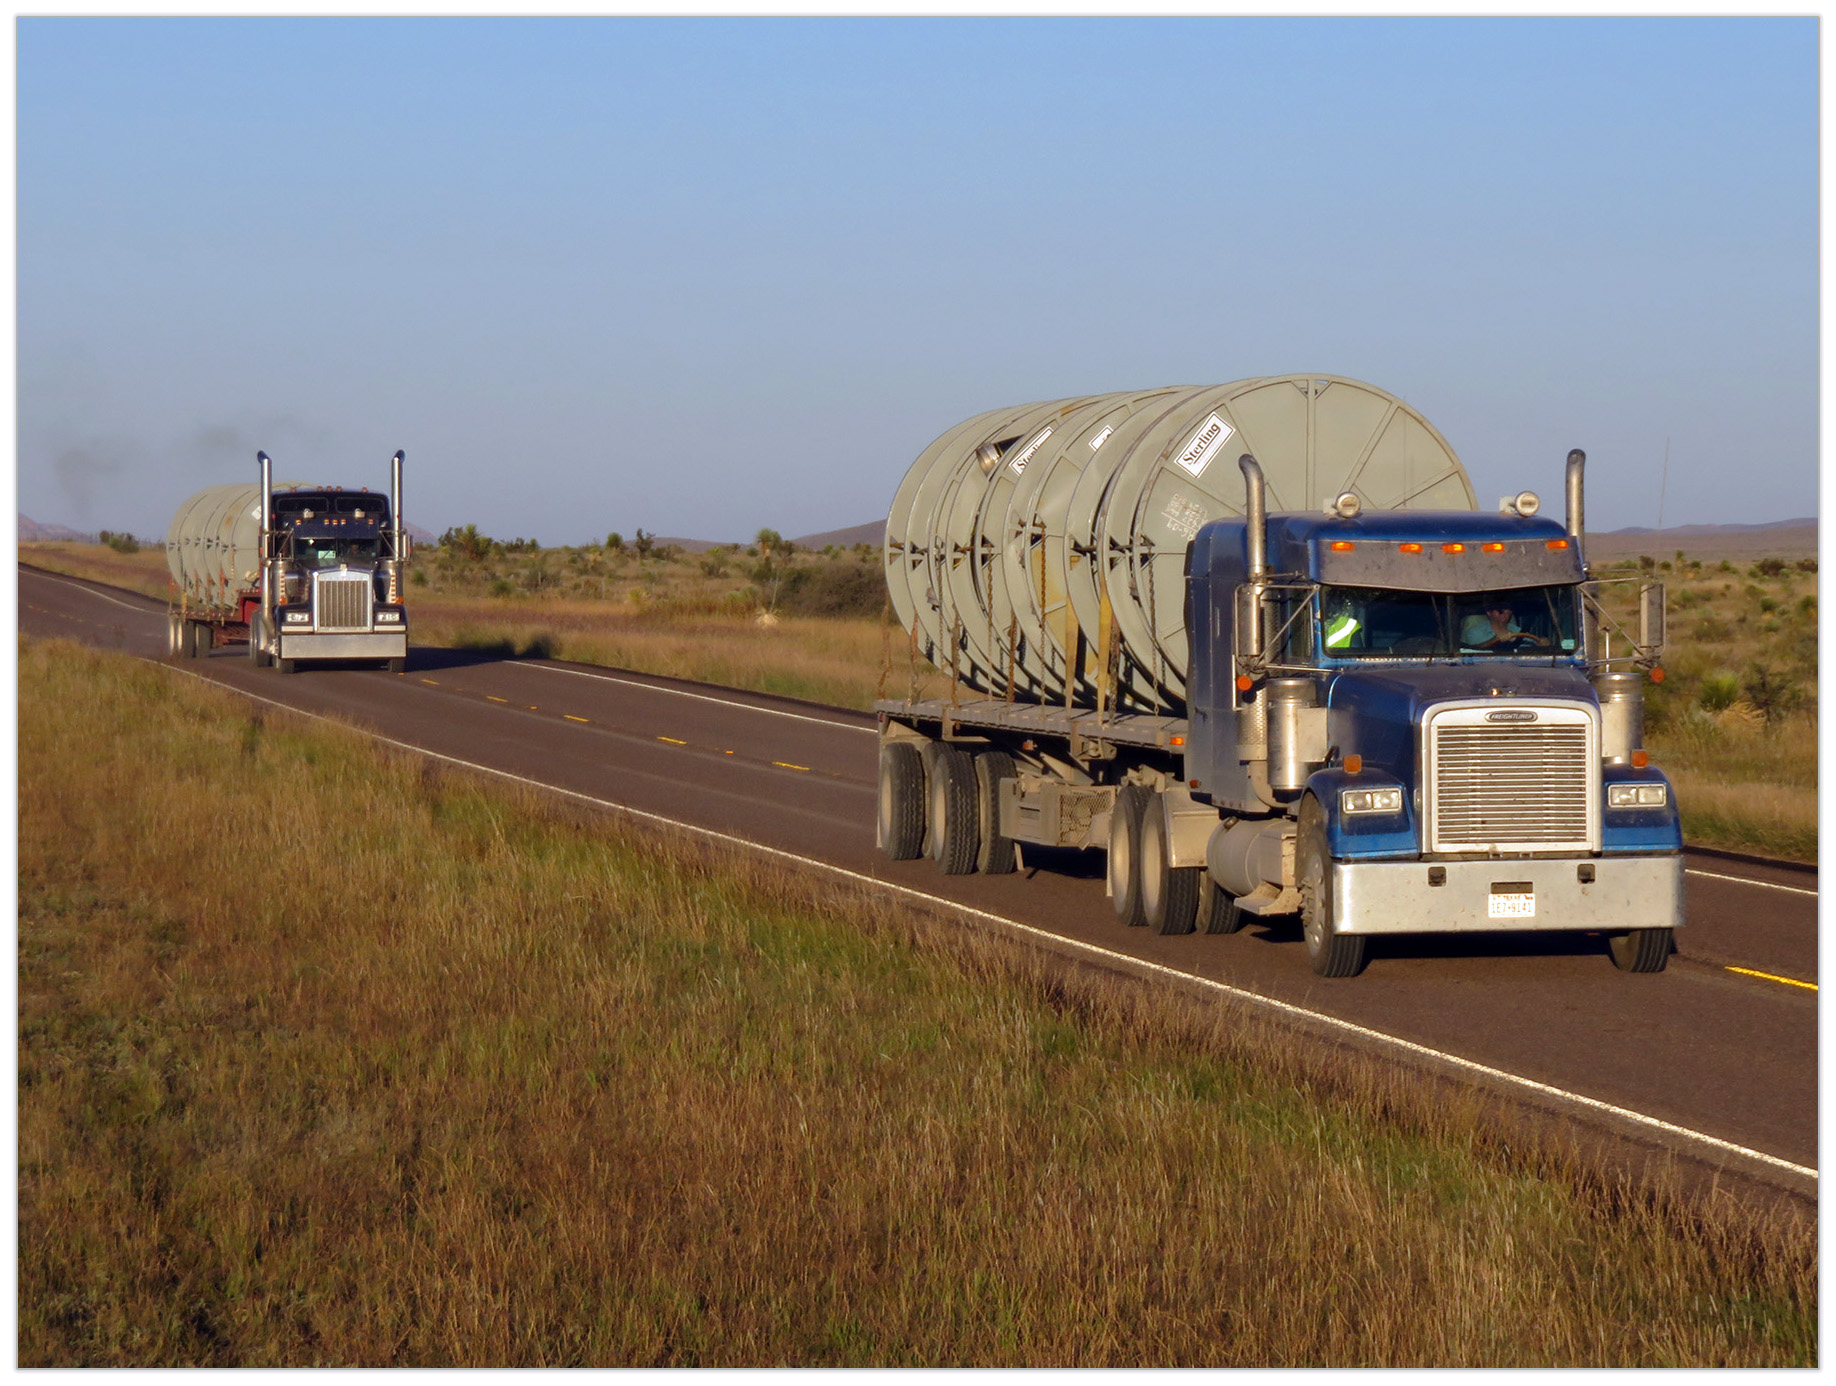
(299, 618)
(388, 618)
(1637, 795)
(1370, 800)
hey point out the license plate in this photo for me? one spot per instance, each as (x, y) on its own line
(1510, 906)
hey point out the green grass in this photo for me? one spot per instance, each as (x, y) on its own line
(327, 1057)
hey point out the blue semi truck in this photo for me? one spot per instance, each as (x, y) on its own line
(1391, 721)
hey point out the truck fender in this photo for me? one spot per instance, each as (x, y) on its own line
(1189, 825)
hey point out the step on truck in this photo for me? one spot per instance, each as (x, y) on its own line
(1363, 714)
(296, 572)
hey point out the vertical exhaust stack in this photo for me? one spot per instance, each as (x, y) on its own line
(1252, 717)
(265, 542)
(1577, 461)
(395, 520)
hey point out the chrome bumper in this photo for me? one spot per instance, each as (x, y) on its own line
(367, 644)
(1394, 897)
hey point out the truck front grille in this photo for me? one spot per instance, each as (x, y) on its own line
(344, 603)
(1521, 785)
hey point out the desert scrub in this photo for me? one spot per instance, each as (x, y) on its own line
(328, 1057)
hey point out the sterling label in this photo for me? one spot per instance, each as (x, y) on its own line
(1019, 463)
(1204, 445)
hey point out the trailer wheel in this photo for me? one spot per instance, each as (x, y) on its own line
(1218, 910)
(1132, 803)
(1332, 954)
(994, 854)
(172, 635)
(200, 640)
(1169, 894)
(1640, 950)
(901, 817)
(952, 830)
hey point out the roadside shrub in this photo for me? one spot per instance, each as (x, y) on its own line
(832, 589)
(1769, 567)
(120, 543)
(1719, 690)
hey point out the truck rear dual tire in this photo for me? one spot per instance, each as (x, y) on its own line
(952, 827)
(1125, 816)
(1169, 894)
(1641, 950)
(1332, 954)
(994, 854)
(900, 828)
(1218, 911)
(198, 640)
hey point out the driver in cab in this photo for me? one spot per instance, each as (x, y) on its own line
(1496, 628)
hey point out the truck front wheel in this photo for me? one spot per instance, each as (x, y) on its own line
(1131, 806)
(1169, 893)
(1641, 950)
(901, 817)
(258, 634)
(1332, 954)
(953, 826)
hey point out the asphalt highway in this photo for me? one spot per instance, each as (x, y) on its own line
(1714, 1059)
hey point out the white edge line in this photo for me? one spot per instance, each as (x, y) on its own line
(92, 592)
(1748, 880)
(701, 697)
(1469, 1065)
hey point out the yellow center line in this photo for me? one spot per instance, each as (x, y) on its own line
(788, 766)
(534, 708)
(430, 681)
(570, 717)
(494, 698)
(672, 741)
(1767, 976)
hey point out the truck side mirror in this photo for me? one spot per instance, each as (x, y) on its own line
(1650, 619)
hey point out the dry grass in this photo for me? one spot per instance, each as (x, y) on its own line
(144, 572)
(330, 1058)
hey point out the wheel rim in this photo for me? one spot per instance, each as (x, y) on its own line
(1152, 862)
(1313, 908)
(1119, 863)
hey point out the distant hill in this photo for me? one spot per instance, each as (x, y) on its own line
(874, 534)
(31, 532)
(1782, 539)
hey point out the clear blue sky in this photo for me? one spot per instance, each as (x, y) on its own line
(707, 276)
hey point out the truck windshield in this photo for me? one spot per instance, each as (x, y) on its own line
(329, 552)
(1376, 623)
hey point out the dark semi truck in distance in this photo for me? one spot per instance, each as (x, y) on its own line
(1384, 719)
(297, 572)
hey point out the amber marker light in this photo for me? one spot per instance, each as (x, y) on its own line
(1354, 764)
(1453, 548)
(1245, 683)
(1410, 548)
(1176, 741)
(1493, 548)
(1657, 674)
(1555, 544)
(1640, 759)
(1341, 546)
